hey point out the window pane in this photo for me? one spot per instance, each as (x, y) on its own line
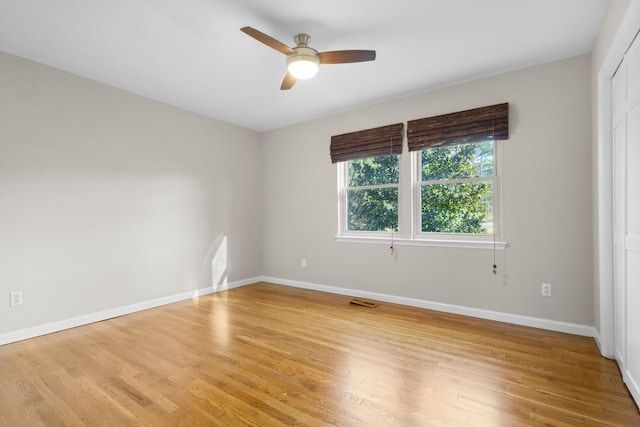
(458, 161)
(458, 208)
(373, 171)
(372, 210)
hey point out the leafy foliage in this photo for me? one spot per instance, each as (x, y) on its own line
(462, 207)
(373, 209)
(456, 208)
(373, 171)
(458, 161)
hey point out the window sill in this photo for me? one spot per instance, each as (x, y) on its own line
(469, 244)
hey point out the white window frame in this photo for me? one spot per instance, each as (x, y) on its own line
(409, 216)
(342, 202)
(417, 188)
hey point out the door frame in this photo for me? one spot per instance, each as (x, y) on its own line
(629, 28)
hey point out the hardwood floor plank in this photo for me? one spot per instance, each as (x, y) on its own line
(268, 355)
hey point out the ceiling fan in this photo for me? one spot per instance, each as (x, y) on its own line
(302, 60)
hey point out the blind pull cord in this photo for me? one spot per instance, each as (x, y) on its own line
(392, 249)
(494, 270)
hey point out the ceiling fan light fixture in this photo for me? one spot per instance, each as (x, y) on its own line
(302, 65)
(303, 61)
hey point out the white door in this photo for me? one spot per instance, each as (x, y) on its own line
(626, 181)
(619, 212)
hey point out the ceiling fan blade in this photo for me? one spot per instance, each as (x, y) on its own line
(345, 56)
(268, 40)
(288, 82)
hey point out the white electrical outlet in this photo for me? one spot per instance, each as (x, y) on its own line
(303, 263)
(16, 298)
(546, 289)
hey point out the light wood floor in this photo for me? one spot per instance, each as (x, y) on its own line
(268, 355)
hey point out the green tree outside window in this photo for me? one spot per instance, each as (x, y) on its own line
(372, 193)
(457, 189)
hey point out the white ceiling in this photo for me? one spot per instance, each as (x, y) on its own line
(192, 54)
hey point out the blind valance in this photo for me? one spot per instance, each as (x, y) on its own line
(475, 125)
(380, 141)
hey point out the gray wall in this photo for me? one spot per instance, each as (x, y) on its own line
(547, 202)
(108, 199)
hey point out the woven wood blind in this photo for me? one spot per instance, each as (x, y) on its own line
(478, 124)
(381, 141)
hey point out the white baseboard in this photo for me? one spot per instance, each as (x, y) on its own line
(633, 386)
(552, 325)
(603, 351)
(73, 322)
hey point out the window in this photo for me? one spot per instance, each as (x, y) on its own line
(371, 193)
(456, 186)
(369, 164)
(451, 191)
